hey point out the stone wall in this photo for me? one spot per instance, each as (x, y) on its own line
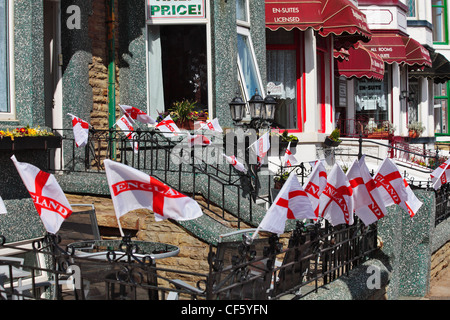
(98, 68)
(440, 260)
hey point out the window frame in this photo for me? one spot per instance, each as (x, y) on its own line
(11, 114)
(445, 19)
(447, 98)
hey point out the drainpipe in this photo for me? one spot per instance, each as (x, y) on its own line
(110, 23)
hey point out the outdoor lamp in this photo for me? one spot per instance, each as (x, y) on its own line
(237, 109)
(403, 94)
(257, 107)
(270, 104)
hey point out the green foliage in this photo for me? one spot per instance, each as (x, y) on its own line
(335, 135)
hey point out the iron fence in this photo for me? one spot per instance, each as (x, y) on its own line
(258, 269)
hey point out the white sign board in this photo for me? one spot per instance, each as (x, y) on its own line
(175, 10)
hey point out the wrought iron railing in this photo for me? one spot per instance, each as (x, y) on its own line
(249, 269)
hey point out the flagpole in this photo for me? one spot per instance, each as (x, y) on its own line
(120, 227)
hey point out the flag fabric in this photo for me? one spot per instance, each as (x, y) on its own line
(137, 114)
(212, 125)
(2, 207)
(168, 125)
(235, 163)
(198, 140)
(376, 209)
(336, 202)
(132, 189)
(360, 194)
(390, 183)
(289, 160)
(80, 130)
(315, 185)
(125, 125)
(440, 175)
(412, 204)
(48, 197)
(437, 172)
(260, 147)
(292, 202)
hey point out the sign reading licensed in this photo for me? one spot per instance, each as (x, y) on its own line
(159, 10)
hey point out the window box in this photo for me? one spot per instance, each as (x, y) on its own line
(31, 143)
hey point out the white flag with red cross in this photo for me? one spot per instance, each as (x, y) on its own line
(125, 125)
(289, 159)
(361, 196)
(260, 147)
(336, 201)
(137, 114)
(412, 204)
(440, 175)
(315, 185)
(212, 125)
(132, 189)
(2, 207)
(376, 209)
(169, 126)
(390, 183)
(48, 197)
(235, 163)
(197, 140)
(80, 130)
(292, 202)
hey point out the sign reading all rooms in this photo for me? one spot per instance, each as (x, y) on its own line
(168, 10)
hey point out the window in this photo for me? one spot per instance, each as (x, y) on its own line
(177, 65)
(412, 8)
(248, 71)
(441, 108)
(439, 19)
(371, 100)
(4, 59)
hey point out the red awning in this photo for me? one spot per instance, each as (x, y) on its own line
(339, 17)
(393, 47)
(342, 17)
(361, 63)
(289, 14)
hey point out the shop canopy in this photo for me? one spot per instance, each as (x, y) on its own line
(361, 63)
(339, 17)
(394, 47)
(439, 71)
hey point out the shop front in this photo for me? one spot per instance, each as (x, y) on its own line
(301, 38)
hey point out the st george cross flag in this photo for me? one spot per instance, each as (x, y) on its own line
(235, 163)
(212, 125)
(260, 147)
(132, 189)
(336, 203)
(168, 125)
(440, 175)
(48, 197)
(137, 114)
(80, 130)
(125, 125)
(376, 209)
(361, 197)
(292, 202)
(197, 140)
(289, 160)
(2, 206)
(390, 183)
(412, 204)
(315, 185)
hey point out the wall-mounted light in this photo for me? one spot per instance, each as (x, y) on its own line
(262, 111)
(403, 94)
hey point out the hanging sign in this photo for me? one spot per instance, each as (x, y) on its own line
(169, 10)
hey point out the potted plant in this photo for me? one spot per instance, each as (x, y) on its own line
(280, 179)
(285, 138)
(387, 129)
(183, 113)
(415, 129)
(333, 139)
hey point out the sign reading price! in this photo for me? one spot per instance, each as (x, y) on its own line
(159, 10)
